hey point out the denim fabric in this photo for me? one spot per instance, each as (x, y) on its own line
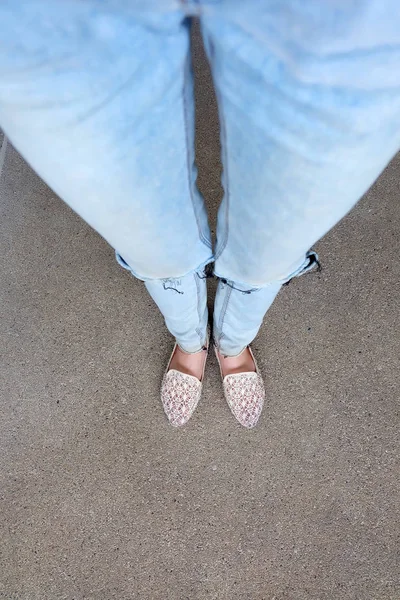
(183, 303)
(234, 301)
(98, 97)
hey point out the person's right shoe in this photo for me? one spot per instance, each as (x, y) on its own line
(244, 393)
(181, 392)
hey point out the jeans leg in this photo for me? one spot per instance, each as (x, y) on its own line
(97, 96)
(176, 298)
(309, 100)
(239, 309)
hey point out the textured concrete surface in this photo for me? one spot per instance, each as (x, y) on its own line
(101, 499)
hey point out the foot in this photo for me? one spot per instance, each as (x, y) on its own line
(243, 386)
(191, 364)
(243, 363)
(182, 385)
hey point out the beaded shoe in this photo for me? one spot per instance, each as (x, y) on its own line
(244, 393)
(180, 392)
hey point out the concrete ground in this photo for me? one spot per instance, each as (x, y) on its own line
(101, 499)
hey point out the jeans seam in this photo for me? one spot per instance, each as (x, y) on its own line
(223, 313)
(225, 167)
(122, 263)
(224, 148)
(198, 330)
(187, 140)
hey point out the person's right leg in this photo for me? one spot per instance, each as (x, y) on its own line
(97, 96)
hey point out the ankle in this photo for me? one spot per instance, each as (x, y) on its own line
(242, 363)
(190, 364)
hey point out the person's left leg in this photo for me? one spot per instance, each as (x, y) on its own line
(308, 122)
(309, 101)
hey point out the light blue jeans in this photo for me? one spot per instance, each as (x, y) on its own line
(97, 95)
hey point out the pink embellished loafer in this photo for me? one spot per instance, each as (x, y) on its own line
(180, 392)
(244, 393)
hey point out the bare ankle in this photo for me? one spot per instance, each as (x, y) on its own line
(243, 363)
(190, 364)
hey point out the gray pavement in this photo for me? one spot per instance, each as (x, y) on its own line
(101, 499)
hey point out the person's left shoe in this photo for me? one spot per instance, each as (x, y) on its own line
(244, 390)
(181, 392)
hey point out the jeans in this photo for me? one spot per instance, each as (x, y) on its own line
(97, 95)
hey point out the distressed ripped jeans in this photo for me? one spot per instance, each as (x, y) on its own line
(97, 95)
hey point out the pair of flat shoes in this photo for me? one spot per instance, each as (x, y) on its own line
(244, 393)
